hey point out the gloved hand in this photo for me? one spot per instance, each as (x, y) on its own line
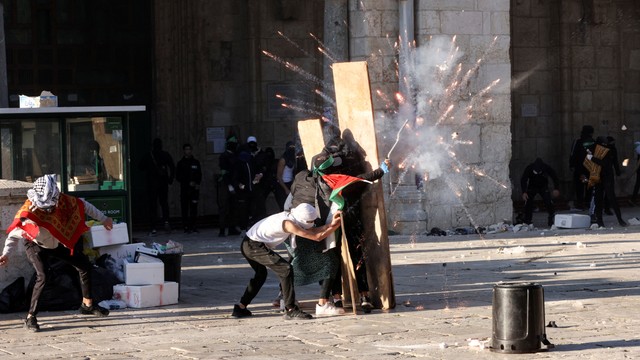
(385, 165)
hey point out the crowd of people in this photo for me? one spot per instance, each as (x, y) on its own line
(319, 200)
(594, 165)
(248, 174)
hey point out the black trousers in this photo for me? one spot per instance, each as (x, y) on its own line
(158, 193)
(606, 190)
(189, 206)
(260, 257)
(227, 208)
(548, 203)
(36, 255)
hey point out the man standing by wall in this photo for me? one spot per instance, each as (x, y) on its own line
(160, 169)
(189, 175)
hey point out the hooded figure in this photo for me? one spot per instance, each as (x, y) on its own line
(535, 181)
(605, 157)
(580, 173)
(160, 169)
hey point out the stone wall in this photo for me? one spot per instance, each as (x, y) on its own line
(482, 32)
(12, 196)
(575, 63)
(210, 71)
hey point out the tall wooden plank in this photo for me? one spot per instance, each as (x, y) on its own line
(355, 116)
(349, 283)
(310, 132)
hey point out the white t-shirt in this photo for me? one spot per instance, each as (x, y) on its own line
(270, 230)
(287, 174)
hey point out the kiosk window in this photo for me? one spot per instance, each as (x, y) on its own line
(94, 154)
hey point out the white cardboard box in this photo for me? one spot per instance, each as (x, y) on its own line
(151, 273)
(121, 251)
(99, 236)
(46, 99)
(147, 295)
(572, 221)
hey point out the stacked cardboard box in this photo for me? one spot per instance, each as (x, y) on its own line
(144, 284)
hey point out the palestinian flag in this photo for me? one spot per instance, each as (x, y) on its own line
(338, 182)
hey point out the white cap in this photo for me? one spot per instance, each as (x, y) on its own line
(304, 212)
(252, 139)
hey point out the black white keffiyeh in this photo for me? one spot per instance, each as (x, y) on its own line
(45, 193)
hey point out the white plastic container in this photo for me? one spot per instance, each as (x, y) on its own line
(572, 221)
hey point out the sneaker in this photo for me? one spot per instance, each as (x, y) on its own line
(31, 323)
(328, 309)
(365, 303)
(296, 313)
(94, 309)
(276, 301)
(622, 223)
(239, 312)
(338, 304)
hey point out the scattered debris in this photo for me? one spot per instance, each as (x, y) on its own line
(514, 250)
(482, 344)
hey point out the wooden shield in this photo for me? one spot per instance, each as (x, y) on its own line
(355, 115)
(310, 132)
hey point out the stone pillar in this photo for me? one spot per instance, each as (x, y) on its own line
(4, 92)
(336, 37)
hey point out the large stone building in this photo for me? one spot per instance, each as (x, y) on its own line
(531, 74)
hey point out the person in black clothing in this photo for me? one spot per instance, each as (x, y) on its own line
(349, 154)
(605, 187)
(636, 186)
(285, 173)
(580, 173)
(189, 175)
(261, 183)
(616, 167)
(535, 181)
(160, 169)
(227, 188)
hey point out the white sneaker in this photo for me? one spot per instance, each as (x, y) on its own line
(328, 309)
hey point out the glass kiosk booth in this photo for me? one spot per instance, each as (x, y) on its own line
(87, 147)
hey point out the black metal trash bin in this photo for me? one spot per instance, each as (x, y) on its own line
(518, 318)
(172, 267)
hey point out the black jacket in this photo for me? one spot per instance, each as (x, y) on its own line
(188, 170)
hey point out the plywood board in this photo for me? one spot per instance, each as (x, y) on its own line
(348, 273)
(355, 116)
(310, 132)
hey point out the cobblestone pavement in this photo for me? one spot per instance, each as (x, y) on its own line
(443, 291)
